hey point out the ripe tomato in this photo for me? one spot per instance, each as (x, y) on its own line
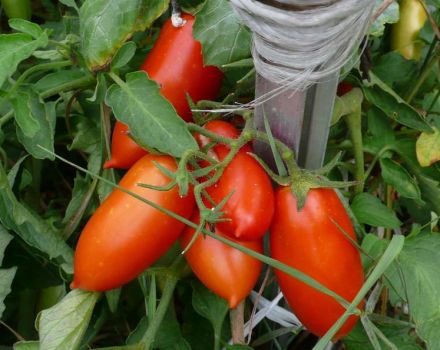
(228, 272)
(224, 129)
(125, 151)
(250, 208)
(176, 64)
(344, 88)
(310, 241)
(125, 236)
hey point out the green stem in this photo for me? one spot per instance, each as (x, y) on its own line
(7, 117)
(422, 77)
(167, 294)
(374, 161)
(71, 85)
(354, 123)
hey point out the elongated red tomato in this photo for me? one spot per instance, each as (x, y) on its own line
(250, 208)
(228, 272)
(176, 64)
(311, 241)
(125, 151)
(125, 236)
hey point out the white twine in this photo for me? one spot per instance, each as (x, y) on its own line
(297, 43)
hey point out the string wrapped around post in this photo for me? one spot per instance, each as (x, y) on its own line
(297, 43)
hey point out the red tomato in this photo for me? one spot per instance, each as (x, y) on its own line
(250, 208)
(344, 88)
(228, 272)
(311, 242)
(125, 152)
(223, 129)
(176, 64)
(125, 236)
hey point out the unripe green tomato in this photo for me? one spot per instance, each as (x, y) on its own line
(17, 8)
(405, 32)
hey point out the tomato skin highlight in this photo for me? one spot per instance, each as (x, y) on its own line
(311, 242)
(226, 271)
(250, 208)
(176, 63)
(125, 236)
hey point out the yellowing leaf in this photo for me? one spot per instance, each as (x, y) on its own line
(428, 148)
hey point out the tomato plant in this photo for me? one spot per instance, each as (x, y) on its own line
(78, 68)
(228, 272)
(125, 236)
(176, 64)
(313, 240)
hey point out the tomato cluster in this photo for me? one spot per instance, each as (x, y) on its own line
(125, 236)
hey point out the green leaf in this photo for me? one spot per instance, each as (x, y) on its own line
(397, 176)
(209, 305)
(124, 55)
(21, 25)
(224, 39)
(106, 24)
(426, 177)
(16, 48)
(428, 148)
(392, 68)
(6, 278)
(383, 97)
(52, 80)
(27, 345)
(238, 347)
(370, 210)
(40, 126)
(416, 276)
(390, 15)
(5, 238)
(31, 228)
(63, 325)
(70, 3)
(152, 120)
(397, 332)
(191, 6)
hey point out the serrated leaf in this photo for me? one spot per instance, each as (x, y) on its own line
(428, 148)
(152, 120)
(16, 48)
(27, 105)
(27, 345)
(6, 278)
(209, 305)
(415, 276)
(106, 24)
(397, 176)
(31, 228)
(382, 96)
(124, 55)
(370, 210)
(63, 325)
(390, 15)
(224, 39)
